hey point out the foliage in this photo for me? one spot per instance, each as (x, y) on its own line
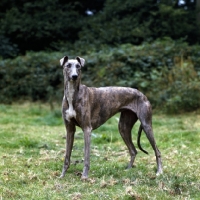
(35, 76)
(178, 89)
(52, 24)
(32, 158)
(36, 25)
(138, 21)
(7, 48)
(166, 71)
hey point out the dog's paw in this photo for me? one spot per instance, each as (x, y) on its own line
(84, 178)
(158, 173)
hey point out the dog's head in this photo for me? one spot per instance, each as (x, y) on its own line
(71, 67)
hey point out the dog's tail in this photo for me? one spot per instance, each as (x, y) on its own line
(138, 139)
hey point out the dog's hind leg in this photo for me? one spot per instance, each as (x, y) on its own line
(146, 122)
(126, 122)
(70, 128)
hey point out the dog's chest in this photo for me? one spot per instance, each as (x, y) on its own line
(70, 112)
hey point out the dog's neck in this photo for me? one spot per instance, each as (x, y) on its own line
(70, 86)
(71, 90)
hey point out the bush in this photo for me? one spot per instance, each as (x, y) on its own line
(183, 89)
(167, 72)
(36, 76)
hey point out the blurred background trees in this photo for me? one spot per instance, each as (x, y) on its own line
(141, 43)
(49, 24)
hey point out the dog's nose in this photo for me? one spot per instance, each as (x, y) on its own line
(74, 77)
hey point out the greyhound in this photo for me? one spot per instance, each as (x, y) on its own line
(90, 107)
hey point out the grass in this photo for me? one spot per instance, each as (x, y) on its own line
(32, 150)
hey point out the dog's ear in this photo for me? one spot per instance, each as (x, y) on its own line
(63, 60)
(81, 61)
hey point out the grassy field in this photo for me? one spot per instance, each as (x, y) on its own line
(32, 147)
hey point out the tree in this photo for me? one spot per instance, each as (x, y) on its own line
(137, 21)
(34, 25)
(49, 24)
(40, 24)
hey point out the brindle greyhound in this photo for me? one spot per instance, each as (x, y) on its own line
(89, 108)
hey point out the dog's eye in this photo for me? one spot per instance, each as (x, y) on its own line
(68, 65)
(78, 66)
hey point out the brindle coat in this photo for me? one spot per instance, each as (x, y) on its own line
(89, 108)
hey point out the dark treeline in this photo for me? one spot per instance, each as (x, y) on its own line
(51, 24)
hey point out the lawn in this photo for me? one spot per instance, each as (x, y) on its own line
(32, 148)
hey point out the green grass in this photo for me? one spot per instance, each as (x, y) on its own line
(32, 150)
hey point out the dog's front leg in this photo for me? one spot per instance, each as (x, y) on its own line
(70, 128)
(87, 136)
